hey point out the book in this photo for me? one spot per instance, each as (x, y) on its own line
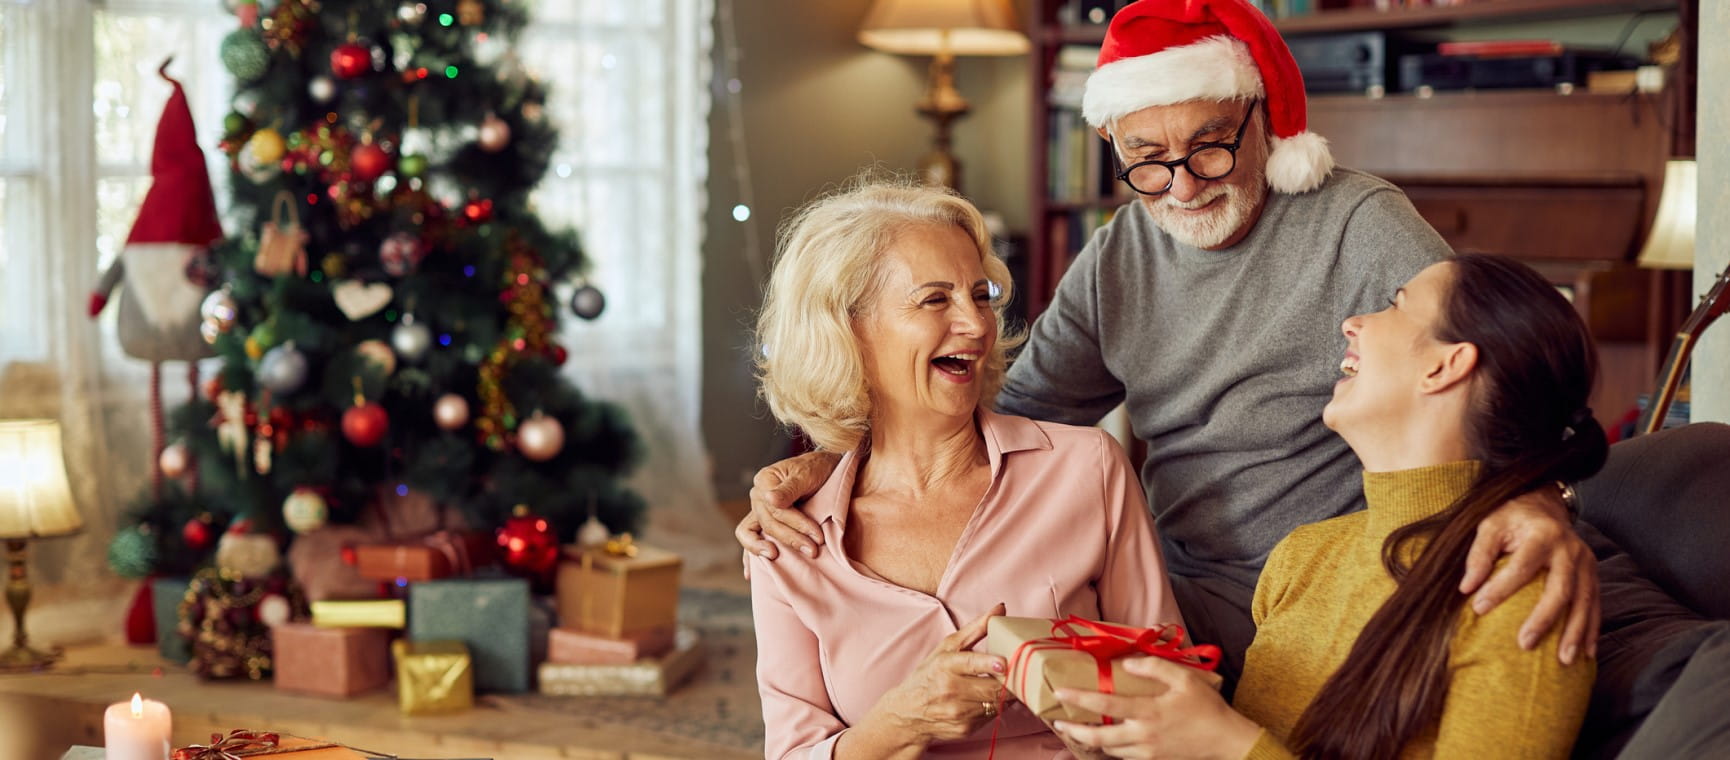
(1500, 48)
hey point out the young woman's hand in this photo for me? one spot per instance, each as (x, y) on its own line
(1535, 533)
(1189, 720)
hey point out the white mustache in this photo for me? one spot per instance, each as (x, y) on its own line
(1198, 201)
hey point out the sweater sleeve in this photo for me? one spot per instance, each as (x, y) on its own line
(1386, 243)
(1504, 701)
(1133, 586)
(1060, 375)
(1268, 747)
(798, 719)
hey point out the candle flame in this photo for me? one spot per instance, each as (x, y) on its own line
(137, 705)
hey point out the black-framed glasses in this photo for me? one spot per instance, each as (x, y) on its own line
(1208, 162)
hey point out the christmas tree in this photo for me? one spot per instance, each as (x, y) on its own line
(383, 303)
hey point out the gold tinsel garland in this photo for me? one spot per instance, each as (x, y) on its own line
(526, 332)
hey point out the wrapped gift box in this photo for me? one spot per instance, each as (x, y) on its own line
(441, 555)
(337, 662)
(1041, 660)
(616, 594)
(491, 616)
(647, 678)
(433, 676)
(241, 744)
(359, 613)
(570, 647)
(165, 597)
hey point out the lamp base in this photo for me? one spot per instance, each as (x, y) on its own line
(22, 659)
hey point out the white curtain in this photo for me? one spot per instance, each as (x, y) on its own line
(628, 84)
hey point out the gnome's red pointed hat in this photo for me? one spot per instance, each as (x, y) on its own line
(1161, 52)
(176, 220)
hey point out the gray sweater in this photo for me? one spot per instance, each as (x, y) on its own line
(1225, 359)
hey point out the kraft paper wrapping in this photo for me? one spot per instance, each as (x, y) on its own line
(360, 613)
(648, 678)
(433, 676)
(615, 595)
(1038, 673)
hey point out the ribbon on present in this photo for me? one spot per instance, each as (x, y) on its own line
(1105, 642)
(242, 743)
(450, 544)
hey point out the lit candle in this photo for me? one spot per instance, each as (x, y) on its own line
(138, 730)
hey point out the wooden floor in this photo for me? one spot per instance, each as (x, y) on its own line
(41, 715)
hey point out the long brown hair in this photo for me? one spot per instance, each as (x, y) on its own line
(1529, 425)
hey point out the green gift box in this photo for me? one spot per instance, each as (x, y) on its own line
(165, 596)
(491, 616)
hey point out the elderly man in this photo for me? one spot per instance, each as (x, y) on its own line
(1211, 308)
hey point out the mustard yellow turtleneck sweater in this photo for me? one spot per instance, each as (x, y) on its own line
(1318, 590)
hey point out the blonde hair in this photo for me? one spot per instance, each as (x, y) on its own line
(811, 370)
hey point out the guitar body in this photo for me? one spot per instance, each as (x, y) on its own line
(1712, 305)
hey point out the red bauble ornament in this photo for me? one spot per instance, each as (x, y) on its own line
(368, 161)
(478, 211)
(530, 549)
(560, 355)
(196, 534)
(350, 60)
(365, 425)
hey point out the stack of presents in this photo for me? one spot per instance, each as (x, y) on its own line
(448, 624)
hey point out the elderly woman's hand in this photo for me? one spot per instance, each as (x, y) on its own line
(1189, 720)
(948, 696)
(775, 495)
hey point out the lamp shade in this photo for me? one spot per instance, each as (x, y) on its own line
(35, 498)
(928, 27)
(1671, 242)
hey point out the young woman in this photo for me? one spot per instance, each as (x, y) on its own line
(1469, 389)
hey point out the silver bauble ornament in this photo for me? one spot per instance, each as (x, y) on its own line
(322, 89)
(305, 511)
(219, 309)
(173, 460)
(412, 12)
(451, 412)
(283, 369)
(495, 134)
(411, 339)
(588, 302)
(540, 437)
(209, 331)
(274, 610)
(593, 533)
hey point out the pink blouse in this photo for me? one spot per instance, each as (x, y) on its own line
(1062, 529)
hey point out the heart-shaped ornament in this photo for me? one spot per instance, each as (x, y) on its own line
(359, 300)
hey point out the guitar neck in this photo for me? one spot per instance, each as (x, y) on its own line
(1652, 420)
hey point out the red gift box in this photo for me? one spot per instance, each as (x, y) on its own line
(566, 646)
(438, 555)
(334, 662)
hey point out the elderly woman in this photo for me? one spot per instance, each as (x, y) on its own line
(882, 340)
(1468, 390)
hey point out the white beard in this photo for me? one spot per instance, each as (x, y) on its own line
(1215, 226)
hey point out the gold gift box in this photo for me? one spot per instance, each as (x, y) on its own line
(654, 677)
(1036, 676)
(360, 613)
(616, 595)
(433, 676)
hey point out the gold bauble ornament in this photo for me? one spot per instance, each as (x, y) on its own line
(266, 146)
(173, 460)
(540, 437)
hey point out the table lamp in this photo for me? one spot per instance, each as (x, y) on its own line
(942, 29)
(1670, 245)
(35, 502)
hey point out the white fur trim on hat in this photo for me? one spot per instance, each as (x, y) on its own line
(1299, 164)
(1216, 68)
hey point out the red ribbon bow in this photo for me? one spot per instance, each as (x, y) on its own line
(237, 744)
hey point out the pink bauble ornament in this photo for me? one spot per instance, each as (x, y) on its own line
(173, 460)
(540, 437)
(451, 412)
(495, 134)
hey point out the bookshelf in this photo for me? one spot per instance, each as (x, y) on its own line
(1567, 182)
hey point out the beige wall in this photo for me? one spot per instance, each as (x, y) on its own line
(818, 107)
(1711, 381)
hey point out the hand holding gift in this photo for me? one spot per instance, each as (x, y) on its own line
(950, 694)
(1187, 718)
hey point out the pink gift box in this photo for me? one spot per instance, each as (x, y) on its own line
(333, 662)
(571, 647)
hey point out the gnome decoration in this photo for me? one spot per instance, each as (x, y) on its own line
(159, 305)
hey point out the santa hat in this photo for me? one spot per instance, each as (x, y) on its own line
(176, 220)
(1161, 52)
